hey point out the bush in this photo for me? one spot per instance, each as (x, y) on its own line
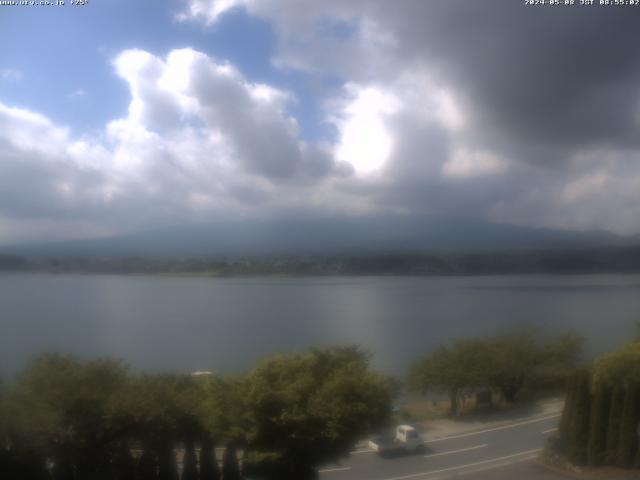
(613, 424)
(628, 443)
(209, 469)
(567, 416)
(579, 424)
(598, 425)
(230, 466)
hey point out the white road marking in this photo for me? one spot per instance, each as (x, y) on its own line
(460, 467)
(357, 452)
(502, 427)
(496, 465)
(487, 467)
(337, 469)
(451, 452)
(549, 430)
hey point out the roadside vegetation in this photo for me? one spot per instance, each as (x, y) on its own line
(497, 370)
(64, 419)
(67, 419)
(600, 425)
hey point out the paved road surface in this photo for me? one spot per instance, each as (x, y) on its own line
(502, 451)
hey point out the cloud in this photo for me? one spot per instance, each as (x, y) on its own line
(364, 140)
(209, 11)
(11, 74)
(78, 93)
(449, 108)
(493, 118)
(188, 88)
(198, 142)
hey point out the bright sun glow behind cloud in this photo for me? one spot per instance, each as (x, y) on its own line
(364, 138)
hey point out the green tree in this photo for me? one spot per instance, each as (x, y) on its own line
(613, 424)
(579, 426)
(515, 355)
(154, 414)
(20, 457)
(598, 425)
(230, 466)
(123, 465)
(521, 358)
(628, 442)
(464, 364)
(65, 407)
(621, 370)
(225, 416)
(568, 412)
(556, 361)
(308, 409)
(209, 469)
(620, 367)
(189, 462)
(147, 464)
(507, 363)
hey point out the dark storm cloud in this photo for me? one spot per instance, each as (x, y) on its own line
(565, 76)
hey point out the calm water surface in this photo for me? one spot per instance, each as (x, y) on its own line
(186, 324)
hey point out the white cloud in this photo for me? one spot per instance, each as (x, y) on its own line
(464, 164)
(201, 140)
(364, 139)
(208, 10)
(10, 74)
(78, 93)
(198, 140)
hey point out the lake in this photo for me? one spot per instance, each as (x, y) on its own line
(225, 324)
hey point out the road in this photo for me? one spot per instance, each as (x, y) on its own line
(506, 446)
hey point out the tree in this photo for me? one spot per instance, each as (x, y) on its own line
(506, 363)
(521, 358)
(230, 466)
(225, 416)
(154, 415)
(308, 409)
(568, 411)
(167, 466)
(622, 366)
(65, 407)
(147, 464)
(515, 355)
(596, 449)
(123, 465)
(209, 469)
(451, 369)
(613, 424)
(557, 359)
(579, 426)
(628, 442)
(20, 457)
(189, 462)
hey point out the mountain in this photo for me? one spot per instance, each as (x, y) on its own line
(328, 236)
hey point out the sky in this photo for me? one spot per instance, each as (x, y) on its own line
(119, 117)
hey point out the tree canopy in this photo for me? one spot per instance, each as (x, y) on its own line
(602, 411)
(621, 366)
(93, 419)
(310, 408)
(506, 363)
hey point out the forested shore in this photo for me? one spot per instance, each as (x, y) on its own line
(610, 260)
